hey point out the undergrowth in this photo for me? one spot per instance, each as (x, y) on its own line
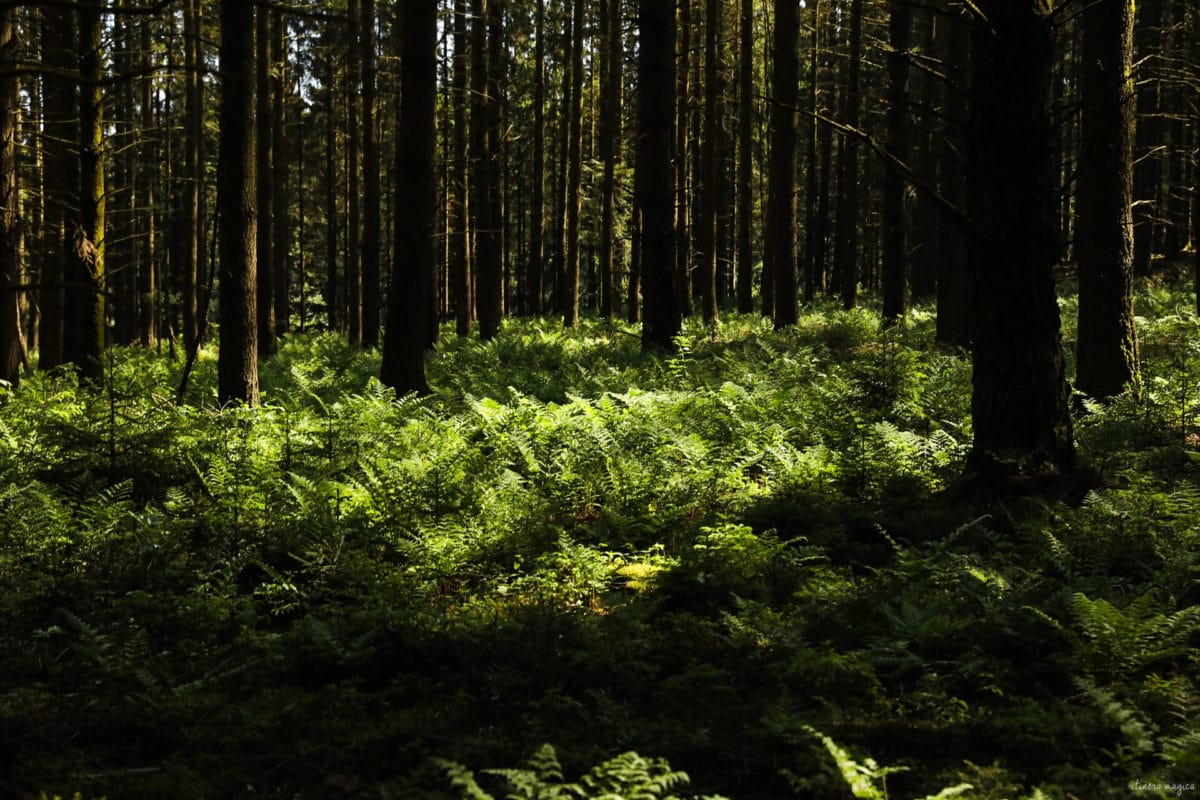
(706, 557)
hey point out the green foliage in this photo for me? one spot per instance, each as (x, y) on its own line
(701, 556)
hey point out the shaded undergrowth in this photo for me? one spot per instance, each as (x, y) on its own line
(705, 558)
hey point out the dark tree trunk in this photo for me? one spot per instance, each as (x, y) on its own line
(1107, 352)
(237, 363)
(683, 223)
(412, 268)
(61, 163)
(280, 158)
(333, 301)
(895, 244)
(953, 285)
(1148, 41)
(485, 180)
(656, 116)
(812, 273)
(10, 221)
(84, 322)
(781, 196)
(354, 286)
(845, 247)
(371, 210)
(537, 221)
(265, 198)
(609, 135)
(147, 171)
(461, 296)
(711, 190)
(1019, 404)
(570, 300)
(745, 165)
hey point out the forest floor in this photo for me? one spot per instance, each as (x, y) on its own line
(717, 558)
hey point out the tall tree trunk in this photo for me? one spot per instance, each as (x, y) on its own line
(812, 271)
(609, 135)
(683, 223)
(191, 227)
(845, 248)
(954, 319)
(280, 158)
(711, 191)
(333, 289)
(1149, 35)
(10, 222)
(265, 199)
(461, 296)
(781, 196)
(745, 165)
(656, 116)
(1107, 352)
(537, 222)
(237, 362)
(354, 285)
(147, 170)
(405, 335)
(61, 174)
(574, 170)
(371, 197)
(485, 122)
(84, 324)
(895, 243)
(1019, 403)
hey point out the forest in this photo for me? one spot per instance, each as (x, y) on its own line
(632, 399)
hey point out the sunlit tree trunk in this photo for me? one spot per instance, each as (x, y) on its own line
(10, 222)
(574, 198)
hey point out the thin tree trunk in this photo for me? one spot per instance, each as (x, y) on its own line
(845, 250)
(192, 226)
(354, 284)
(683, 235)
(485, 122)
(265, 200)
(609, 135)
(895, 243)
(147, 279)
(11, 354)
(461, 296)
(711, 191)
(371, 197)
(574, 197)
(333, 300)
(745, 165)
(280, 162)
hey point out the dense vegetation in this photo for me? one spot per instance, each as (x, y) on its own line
(714, 558)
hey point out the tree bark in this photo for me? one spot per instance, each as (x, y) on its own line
(745, 165)
(656, 116)
(10, 221)
(280, 158)
(574, 197)
(895, 243)
(781, 194)
(711, 191)
(461, 296)
(609, 135)
(1107, 352)
(1019, 401)
(485, 122)
(264, 145)
(371, 209)
(237, 362)
(403, 366)
(1148, 41)
(845, 248)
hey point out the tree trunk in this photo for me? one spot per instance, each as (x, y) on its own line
(574, 198)
(954, 320)
(84, 323)
(1148, 41)
(10, 222)
(683, 223)
(895, 244)
(237, 363)
(484, 132)
(147, 171)
(371, 211)
(333, 300)
(280, 157)
(265, 199)
(781, 196)
(404, 340)
(354, 285)
(745, 166)
(656, 115)
(60, 106)
(461, 296)
(1019, 403)
(845, 245)
(813, 273)
(711, 191)
(1107, 352)
(191, 226)
(609, 135)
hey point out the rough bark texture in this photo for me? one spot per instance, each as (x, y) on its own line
(745, 164)
(485, 121)
(412, 269)
(609, 135)
(461, 296)
(570, 301)
(781, 194)
(683, 222)
(1149, 131)
(237, 363)
(1019, 403)
(281, 157)
(264, 147)
(1107, 352)
(953, 287)
(656, 116)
